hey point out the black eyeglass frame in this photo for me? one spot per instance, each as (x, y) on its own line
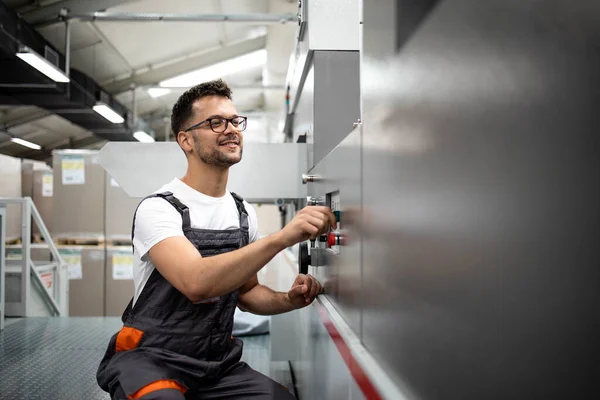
(227, 122)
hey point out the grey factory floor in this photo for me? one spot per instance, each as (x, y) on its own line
(56, 358)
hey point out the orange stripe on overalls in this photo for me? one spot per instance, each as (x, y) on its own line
(155, 386)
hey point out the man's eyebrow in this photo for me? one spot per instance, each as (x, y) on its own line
(221, 116)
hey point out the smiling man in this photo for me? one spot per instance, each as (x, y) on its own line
(196, 256)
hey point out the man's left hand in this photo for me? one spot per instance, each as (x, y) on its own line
(304, 290)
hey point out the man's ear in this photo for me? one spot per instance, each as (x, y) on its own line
(186, 141)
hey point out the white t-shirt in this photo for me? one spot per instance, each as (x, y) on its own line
(156, 220)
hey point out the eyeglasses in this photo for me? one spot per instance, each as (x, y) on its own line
(220, 124)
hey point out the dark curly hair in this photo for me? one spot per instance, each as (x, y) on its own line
(182, 110)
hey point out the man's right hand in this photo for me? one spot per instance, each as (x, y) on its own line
(309, 223)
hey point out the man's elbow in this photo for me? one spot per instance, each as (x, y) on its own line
(198, 293)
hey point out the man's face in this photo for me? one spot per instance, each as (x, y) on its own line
(217, 149)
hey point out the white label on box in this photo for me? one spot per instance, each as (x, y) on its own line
(14, 253)
(122, 266)
(73, 260)
(113, 183)
(48, 184)
(47, 278)
(73, 170)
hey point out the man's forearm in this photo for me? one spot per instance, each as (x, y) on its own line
(224, 273)
(262, 300)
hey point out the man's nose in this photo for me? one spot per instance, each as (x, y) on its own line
(230, 129)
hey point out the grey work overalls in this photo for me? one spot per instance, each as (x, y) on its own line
(169, 346)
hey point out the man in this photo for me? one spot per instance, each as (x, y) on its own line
(197, 253)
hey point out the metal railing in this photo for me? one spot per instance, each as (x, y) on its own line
(56, 299)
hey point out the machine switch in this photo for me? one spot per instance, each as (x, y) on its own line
(335, 239)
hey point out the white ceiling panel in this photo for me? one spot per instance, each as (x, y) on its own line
(143, 43)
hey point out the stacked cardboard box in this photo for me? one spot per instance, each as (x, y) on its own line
(86, 266)
(10, 186)
(79, 190)
(92, 214)
(119, 279)
(120, 208)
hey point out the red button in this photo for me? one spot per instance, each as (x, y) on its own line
(332, 239)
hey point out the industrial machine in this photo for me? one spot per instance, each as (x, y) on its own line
(452, 139)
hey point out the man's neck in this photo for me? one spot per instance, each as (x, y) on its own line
(206, 179)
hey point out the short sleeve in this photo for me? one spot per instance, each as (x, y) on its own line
(253, 222)
(155, 220)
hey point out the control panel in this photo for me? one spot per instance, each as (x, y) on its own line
(334, 237)
(317, 252)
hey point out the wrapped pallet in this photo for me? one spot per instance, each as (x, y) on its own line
(120, 208)
(37, 182)
(79, 192)
(119, 279)
(86, 265)
(10, 186)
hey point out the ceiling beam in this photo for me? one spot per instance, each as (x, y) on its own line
(151, 75)
(52, 12)
(22, 120)
(257, 19)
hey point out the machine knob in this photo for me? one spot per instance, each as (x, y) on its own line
(338, 215)
(303, 258)
(335, 239)
(309, 178)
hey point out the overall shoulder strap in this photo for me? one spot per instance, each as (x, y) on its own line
(244, 223)
(174, 201)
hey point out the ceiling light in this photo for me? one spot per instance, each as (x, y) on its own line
(26, 143)
(157, 92)
(108, 113)
(41, 64)
(143, 137)
(218, 70)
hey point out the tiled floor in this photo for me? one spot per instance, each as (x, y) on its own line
(57, 358)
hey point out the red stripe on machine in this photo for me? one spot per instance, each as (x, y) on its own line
(357, 372)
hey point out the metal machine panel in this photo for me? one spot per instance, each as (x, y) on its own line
(480, 271)
(304, 116)
(336, 98)
(257, 177)
(327, 25)
(340, 174)
(333, 24)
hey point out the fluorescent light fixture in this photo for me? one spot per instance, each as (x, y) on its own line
(41, 64)
(108, 113)
(26, 143)
(157, 92)
(218, 70)
(143, 137)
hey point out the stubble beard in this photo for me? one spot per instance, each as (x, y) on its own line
(215, 157)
